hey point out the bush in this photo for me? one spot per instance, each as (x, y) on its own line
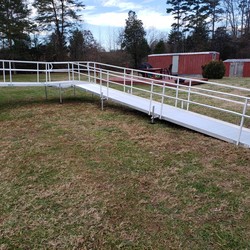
(213, 70)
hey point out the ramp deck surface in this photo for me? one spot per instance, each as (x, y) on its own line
(61, 84)
(200, 123)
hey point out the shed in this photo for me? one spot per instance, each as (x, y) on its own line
(183, 63)
(237, 67)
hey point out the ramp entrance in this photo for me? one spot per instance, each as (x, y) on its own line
(217, 110)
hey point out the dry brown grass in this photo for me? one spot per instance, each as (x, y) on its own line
(75, 177)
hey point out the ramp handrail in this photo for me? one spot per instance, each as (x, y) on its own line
(103, 73)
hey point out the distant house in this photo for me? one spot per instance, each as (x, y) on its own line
(237, 67)
(183, 63)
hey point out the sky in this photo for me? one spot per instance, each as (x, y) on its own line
(106, 17)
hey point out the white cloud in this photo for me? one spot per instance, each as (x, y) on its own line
(90, 7)
(107, 19)
(151, 18)
(122, 5)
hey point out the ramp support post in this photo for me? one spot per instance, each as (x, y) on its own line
(60, 93)
(46, 92)
(102, 101)
(153, 115)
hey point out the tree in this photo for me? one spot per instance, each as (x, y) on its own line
(82, 45)
(176, 41)
(222, 42)
(76, 45)
(192, 15)
(133, 39)
(198, 39)
(177, 8)
(244, 7)
(196, 14)
(57, 16)
(15, 25)
(247, 18)
(215, 12)
(160, 47)
(154, 36)
(232, 15)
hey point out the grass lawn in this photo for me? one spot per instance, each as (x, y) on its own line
(75, 177)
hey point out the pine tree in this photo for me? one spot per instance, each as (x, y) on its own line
(82, 45)
(193, 14)
(58, 16)
(215, 12)
(176, 41)
(196, 14)
(14, 21)
(133, 39)
(160, 47)
(178, 9)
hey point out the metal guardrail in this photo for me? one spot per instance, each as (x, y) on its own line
(211, 95)
(159, 87)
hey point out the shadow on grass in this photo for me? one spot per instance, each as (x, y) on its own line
(37, 98)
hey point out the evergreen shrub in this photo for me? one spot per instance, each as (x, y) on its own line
(213, 70)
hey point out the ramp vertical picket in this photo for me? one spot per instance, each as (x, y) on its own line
(242, 120)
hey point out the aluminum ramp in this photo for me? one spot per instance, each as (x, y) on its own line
(200, 123)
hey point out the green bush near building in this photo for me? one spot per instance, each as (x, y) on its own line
(213, 70)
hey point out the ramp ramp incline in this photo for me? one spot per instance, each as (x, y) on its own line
(200, 123)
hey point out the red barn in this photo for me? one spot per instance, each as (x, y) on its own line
(237, 67)
(183, 63)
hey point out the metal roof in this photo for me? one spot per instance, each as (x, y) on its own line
(187, 53)
(237, 60)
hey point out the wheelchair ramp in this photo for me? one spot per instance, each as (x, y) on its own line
(200, 123)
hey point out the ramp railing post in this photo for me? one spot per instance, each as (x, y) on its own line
(88, 70)
(50, 70)
(177, 92)
(37, 73)
(107, 84)
(10, 69)
(46, 72)
(46, 81)
(151, 96)
(4, 75)
(68, 71)
(73, 71)
(100, 81)
(124, 80)
(94, 72)
(131, 82)
(189, 94)
(242, 120)
(162, 97)
(79, 75)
